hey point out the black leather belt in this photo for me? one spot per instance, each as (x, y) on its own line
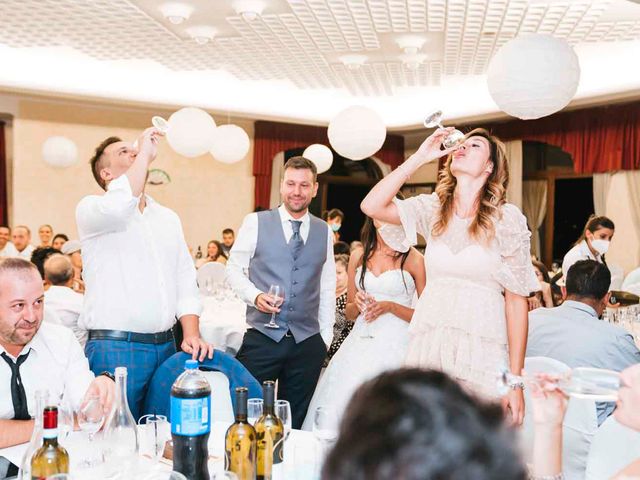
(152, 338)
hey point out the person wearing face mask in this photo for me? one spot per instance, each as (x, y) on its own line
(593, 244)
(335, 217)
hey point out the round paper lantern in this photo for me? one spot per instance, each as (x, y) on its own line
(59, 152)
(533, 76)
(357, 132)
(230, 144)
(319, 154)
(191, 131)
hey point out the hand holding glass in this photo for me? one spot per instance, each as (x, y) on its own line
(276, 293)
(434, 120)
(90, 418)
(366, 330)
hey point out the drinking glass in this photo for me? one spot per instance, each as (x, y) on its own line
(453, 139)
(254, 410)
(276, 292)
(283, 412)
(160, 123)
(155, 433)
(90, 418)
(209, 286)
(325, 428)
(366, 330)
(65, 420)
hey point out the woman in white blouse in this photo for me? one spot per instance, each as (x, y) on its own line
(592, 244)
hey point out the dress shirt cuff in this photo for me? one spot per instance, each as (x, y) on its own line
(189, 306)
(250, 295)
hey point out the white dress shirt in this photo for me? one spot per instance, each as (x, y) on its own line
(68, 305)
(579, 252)
(26, 253)
(137, 270)
(56, 363)
(9, 250)
(244, 249)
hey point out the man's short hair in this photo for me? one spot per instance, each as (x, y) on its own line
(301, 163)
(588, 279)
(15, 265)
(58, 269)
(96, 161)
(22, 226)
(227, 231)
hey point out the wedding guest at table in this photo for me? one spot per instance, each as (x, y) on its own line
(341, 248)
(72, 249)
(573, 333)
(6, 247)
(289, 247)
(36, 356)
(139, 276)
(40, 255)
(45, 232)
(593, 244)
(59, 240)
(215, 253)
(415, 424)
(60, 296)
(21, 237)
(334, 218)
(228, 237)
(342, 326)
(543, 297)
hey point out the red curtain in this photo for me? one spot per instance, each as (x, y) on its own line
(273, 137)
(602, 139)
(4, 214)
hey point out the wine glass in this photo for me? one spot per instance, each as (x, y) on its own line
(283, 412)
(65, 420)
(276, 292)
(254, 410)
(366, 329)
(160, 123)
(453, 139)
(90, 418)
(156, 432)
(325, 428)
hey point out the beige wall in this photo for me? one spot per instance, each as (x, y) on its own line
(207, 195)
(625, 246)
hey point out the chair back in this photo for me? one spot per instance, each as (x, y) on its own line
(614, 446)
(579, 426)
(213, 272)
(221, 402)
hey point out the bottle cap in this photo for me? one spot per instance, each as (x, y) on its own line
(191, 364)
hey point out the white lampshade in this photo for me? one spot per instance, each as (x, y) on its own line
(319, 154)
(357, 132)
(191, 131)
(533, 76)
(59, 152)
(230, 144)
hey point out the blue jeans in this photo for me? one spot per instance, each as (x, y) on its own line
(141, 360)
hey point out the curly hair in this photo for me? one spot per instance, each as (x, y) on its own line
(492, 196)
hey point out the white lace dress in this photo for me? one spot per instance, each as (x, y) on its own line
(459, 324)
(359, 359)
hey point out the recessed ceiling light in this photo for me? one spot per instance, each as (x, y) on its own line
(249, 10)
(175, 12)
(353, 62)
(202, 34)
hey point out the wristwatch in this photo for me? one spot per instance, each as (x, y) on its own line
(108, 374)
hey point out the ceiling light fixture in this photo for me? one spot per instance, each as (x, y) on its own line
(353, 62)
(202, 34)
(175, 12)
(410, 44)
(249, 10)
(413, 61)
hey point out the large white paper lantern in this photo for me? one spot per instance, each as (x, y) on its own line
(319, 154)
(230, 144)
(191, 131)
(357, 132)
(533, 76)
(59, 152)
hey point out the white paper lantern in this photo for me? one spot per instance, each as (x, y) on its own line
(533, 76)
(59, 152)
(230, 144)
(319, 154)
(191, 131)
(357, 132)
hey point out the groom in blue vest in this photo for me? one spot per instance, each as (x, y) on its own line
(293, 249)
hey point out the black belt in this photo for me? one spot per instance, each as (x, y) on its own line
(153, 338)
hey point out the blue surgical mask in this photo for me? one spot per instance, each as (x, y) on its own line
(335, 227)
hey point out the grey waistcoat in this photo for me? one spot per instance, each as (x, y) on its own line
(273, 263)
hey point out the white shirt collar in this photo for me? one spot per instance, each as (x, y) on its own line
(285, 216)
(585, 250)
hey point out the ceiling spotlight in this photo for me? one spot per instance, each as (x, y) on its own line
(410, 44)
(176, 13)
(249, 10)
(202, 34)
(353, 62)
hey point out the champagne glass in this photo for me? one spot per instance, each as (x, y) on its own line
(90, 418)
(325, 428)
(276, 292)
(160, 123)
(254, 410)
(366, 329)
(453, 139)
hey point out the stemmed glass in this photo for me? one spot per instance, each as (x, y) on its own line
(160, 123)
(65, 419)
(156, 432)
(90, 418)
(325, 427)
(254, 410)
(276, 292)
(434, 120)
(283, 412)
(366, 330)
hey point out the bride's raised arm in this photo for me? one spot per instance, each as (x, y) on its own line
(378, 203)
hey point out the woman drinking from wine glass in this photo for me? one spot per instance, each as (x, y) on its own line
(472, 319)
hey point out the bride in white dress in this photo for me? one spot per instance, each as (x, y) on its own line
(379, 339)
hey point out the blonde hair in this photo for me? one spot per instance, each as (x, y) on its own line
(490, 199)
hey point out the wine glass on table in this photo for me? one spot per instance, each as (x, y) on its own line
(325, 428)
(276, 293)
(90, 419)
(254, 410)
(454, 138)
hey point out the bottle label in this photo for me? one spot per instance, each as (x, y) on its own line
(50, 433)
(190, 416)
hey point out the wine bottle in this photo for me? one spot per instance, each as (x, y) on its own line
(240, 441)
(269, 435)
(623, 299)
(50, 458)
(41, 399)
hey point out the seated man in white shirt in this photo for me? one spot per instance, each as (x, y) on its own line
(21, 237)
(60, 297)
(6, 247)
(36, 356)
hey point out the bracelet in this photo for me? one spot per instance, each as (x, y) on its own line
(516, 385)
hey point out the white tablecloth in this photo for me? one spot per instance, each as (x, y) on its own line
(301, 456)
(223, 323)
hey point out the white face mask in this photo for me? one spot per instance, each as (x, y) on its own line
(601, 246)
